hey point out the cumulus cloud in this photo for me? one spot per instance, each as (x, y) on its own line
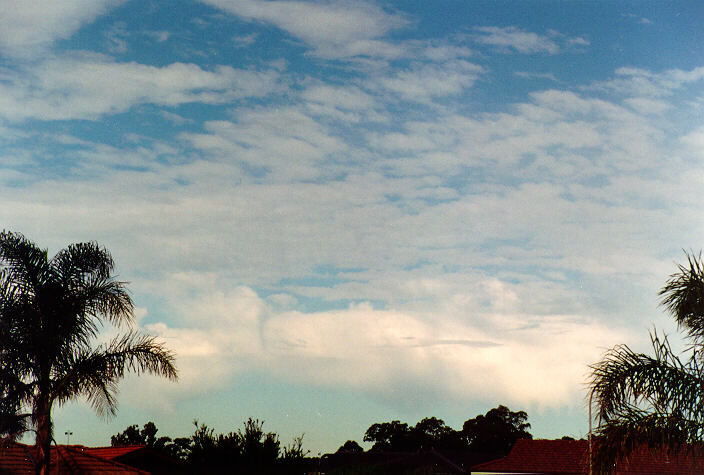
(384, 353)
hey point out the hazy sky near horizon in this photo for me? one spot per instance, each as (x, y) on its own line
(338, 213)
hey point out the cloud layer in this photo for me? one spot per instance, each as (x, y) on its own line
(346, 197)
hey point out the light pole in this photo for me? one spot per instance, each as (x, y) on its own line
(591, 395)
(68, 435)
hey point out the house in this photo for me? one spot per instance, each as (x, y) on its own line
(18, 458)
(571, 457)
(431, 462)
(427, 461)
(140, 456)
(69, 459)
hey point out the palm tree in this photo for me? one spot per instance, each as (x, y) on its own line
(50, 311)
(655, 400)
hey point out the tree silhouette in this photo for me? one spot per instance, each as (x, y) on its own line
(432, 433)
(351, 446)
(132, 435)
(248, 450)
(655, 400)
(389, 436)
(496, 431)
(50, 311)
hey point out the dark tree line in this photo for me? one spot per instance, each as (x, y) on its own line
(496, 431)
(247, 450)
(252, 450)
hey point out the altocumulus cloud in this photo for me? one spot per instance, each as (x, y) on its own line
(420, 208)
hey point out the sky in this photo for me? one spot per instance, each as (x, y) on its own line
(337, 213)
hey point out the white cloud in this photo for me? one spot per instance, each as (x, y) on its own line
(386, 352)
(473, 273)
(445, 52)
(334, 29)
(515, 39)
(345, 103)
(89, 86)
(286, 142)
(116, 38)
(245, 40)
(28, 27)
(636, 82)
(533, 75)
(644, 105)
(426, 82)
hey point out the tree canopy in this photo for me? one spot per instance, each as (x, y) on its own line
(248, 450)
(496, 431)
(50, 312)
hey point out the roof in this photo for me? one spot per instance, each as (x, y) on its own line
(18, 458)
(392, 462)
(541, 456)
(78, 460)
(566, 457)
(140, 456)
(111, 453)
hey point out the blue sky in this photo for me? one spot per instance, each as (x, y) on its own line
(339, 213)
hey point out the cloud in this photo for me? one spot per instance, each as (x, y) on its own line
(29, 27)
(636, 82)
(116, 38)
(245, 40)
(88, 86)
(283, 143)
(337, 29)
(483, 239)
(645, 105)
(343, 103)
(514, 39)
(384, 353)
(426, 82)
(533, 75)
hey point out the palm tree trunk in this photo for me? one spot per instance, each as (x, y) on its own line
(43, 440)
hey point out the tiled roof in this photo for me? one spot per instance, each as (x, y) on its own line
(19, 459)
(111, 453)
(392, 462)
(566, 457)
(77, 460)
(542, 456)
(16, 458)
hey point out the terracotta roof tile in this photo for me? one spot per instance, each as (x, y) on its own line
(565, 457)
(111, 453)
(80, 461)
(16, 458)
(19, 459)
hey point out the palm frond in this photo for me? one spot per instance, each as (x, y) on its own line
(683, 296)
(662, 381)
(95, 374)
(27, 263)
(109, 298)
(79, 260)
